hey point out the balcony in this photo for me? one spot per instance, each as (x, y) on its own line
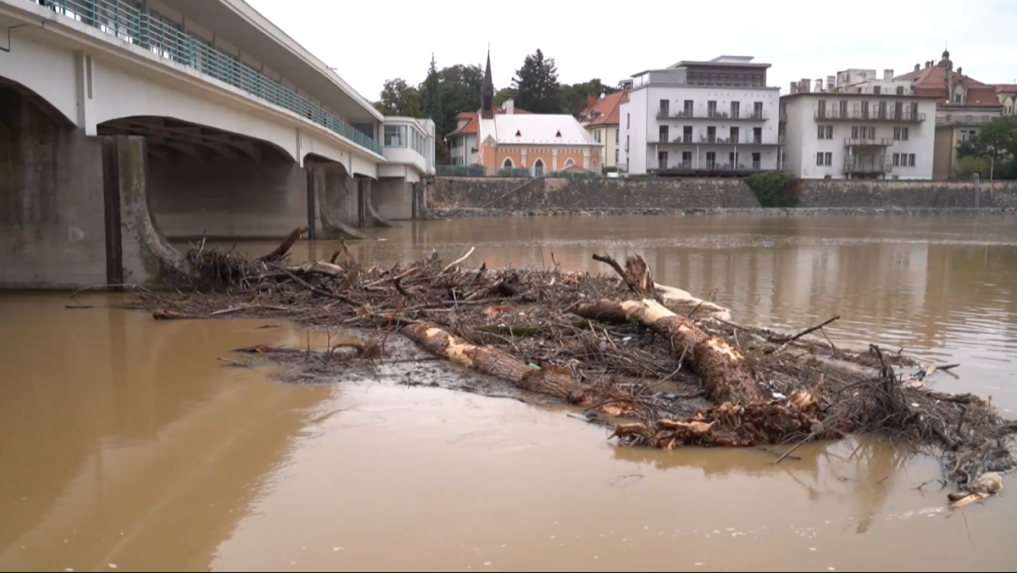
(965, 119)
(680, 140)
(705, 113)
(872, 115)
(708, 167)
(868, 141)
(867, 167)
(714, 140)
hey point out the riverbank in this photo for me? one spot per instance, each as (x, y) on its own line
(438, 214)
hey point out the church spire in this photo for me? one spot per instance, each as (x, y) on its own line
(487, 92)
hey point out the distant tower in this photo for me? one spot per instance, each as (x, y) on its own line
(487, 93)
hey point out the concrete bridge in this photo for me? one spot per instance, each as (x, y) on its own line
(126, 122)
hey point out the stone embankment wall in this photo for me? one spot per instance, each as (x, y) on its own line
(490, 196)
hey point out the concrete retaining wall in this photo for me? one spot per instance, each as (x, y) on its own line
(452, 196)
(908, 194)
(589, 194)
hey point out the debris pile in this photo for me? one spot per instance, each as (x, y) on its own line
(666, 372)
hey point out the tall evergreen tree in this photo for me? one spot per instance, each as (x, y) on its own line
(431, 93)
(536, 85)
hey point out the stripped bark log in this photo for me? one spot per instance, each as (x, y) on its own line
(551, 380)
(726, 374)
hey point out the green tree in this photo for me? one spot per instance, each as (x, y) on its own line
(503, 95)
(536, 85)
(430, 92)
(459, 90)
(399, 98)
(997, 144)
(575, 97)
(970, 165)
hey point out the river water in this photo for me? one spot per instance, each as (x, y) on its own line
(125, 443)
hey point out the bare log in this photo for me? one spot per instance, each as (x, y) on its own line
(726, 374)
(551, 380)
(285, 246)
(636, 275)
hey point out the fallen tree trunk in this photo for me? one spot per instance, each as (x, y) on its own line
(726, 374)
(551, 380)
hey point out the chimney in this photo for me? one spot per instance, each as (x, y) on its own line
(888, 75)
(804, 86)
(794, 88)
(510, 106)
(918, 67)
(591, 100)
(830, 82)
(819, 85)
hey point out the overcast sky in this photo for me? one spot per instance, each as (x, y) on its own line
(370, 42)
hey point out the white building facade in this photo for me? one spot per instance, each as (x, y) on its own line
(701, 118)
(858, 126)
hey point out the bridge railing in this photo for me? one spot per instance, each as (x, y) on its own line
(125, 20)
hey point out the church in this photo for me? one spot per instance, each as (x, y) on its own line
(506, 140)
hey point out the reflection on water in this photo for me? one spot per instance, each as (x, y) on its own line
(124, 441)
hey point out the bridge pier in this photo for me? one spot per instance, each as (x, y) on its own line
(52, 230)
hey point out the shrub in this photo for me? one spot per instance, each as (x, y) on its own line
(774, 189)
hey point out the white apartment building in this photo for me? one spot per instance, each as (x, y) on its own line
(859, 126)
(701, 118)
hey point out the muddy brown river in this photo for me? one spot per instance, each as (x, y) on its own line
(126, 444)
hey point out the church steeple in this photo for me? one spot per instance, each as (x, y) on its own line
(487, 92)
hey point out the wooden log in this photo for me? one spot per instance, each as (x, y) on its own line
(285, 246)
(726, 374)
(550, 380)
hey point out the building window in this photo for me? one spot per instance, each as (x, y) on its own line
(711, 134)
(662, 159)
(687, 111)
(911, 160)
(596, 135)
(757, 110)
(825, 132)
(628, 120)
(901, 133)
(711, 160)
(757, 160)
(616, 157)
(900, 90)
(663, 134)
(736, 109)
(665, 108)
(570, 163)
(957, 98)
(538, 168)
(711, 109)
(508, 163)
(735, 133)
(824, 158)
(687, 134)
(616, 132)
(395, 136)
(877, 90)
(757, 135)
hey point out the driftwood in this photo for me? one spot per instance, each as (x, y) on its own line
(726, 374)
(552, 381)
(636, 359)
(285, 246)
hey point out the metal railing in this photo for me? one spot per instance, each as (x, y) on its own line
(705, 113)
(870, 115)
(166, 39)
(708, 166)
(868, 141)
(964, 119)
(880, 166)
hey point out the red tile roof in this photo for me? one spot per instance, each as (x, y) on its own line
(1006, 88)
(931, 81)
(607, 108)
(472, 126)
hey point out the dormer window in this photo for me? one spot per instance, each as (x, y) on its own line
(518, 133)
(558, 134)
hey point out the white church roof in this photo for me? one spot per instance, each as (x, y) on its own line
(535, 129)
